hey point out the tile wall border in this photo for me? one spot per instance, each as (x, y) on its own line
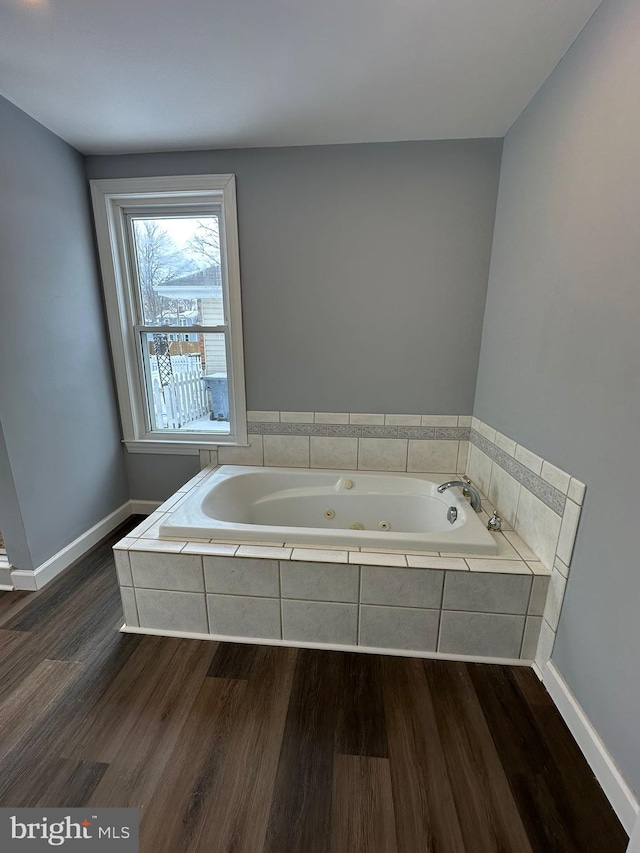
(361, 431)
(549, 495)
(554, 489)
(407, 441)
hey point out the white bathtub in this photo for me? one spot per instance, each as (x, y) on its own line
(318, 507)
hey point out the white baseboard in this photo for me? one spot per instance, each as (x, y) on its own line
(36, 579)
(619, 794)
(537, 670)
(143, 507)
(634, 841)
(334, 647)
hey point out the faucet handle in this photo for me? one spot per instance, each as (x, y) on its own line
(467, 480)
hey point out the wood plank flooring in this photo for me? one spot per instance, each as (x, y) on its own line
(258, 749)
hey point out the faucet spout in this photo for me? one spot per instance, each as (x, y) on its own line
(468, 489)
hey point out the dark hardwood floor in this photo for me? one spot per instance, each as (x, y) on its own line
(228, 747)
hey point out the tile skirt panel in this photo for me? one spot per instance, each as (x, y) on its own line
(344, 604)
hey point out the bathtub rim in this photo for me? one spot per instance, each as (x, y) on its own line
(465, 542)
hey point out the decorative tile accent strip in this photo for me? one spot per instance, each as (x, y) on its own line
(452, 433)
(379, 431)
(308, 429)
(549, 495)
(416, 432)
(361, 431)
(268, 428)
(344, 431)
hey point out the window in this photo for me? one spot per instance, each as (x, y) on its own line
(169, 255)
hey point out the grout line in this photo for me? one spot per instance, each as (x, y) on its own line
(204, 587)
(524, 627)
(483, 612)
(441, 610)
(439, 637)
(531, 594)
(281, 599)
(135, 601)
(515, 515)
(359, 604)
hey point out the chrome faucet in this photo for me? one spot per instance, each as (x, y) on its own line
(468, 489)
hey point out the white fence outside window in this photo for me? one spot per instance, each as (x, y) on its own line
(185, 398)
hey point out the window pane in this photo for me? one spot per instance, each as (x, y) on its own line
(186, 381)
(179, 272)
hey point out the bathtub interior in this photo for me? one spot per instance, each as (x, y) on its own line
(341, 508)
(335, 502)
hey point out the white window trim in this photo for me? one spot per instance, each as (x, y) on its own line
(110, 198)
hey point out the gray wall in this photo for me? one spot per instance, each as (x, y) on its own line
(61, 432)
(154, 477)
(15, 539)
(364, 269)
(561, 350)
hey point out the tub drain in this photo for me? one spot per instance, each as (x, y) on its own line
(356, 525)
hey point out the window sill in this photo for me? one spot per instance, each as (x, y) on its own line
(176, 448)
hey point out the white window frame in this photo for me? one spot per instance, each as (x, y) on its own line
(111, 201)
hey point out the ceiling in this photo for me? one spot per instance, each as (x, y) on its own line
(157, 75)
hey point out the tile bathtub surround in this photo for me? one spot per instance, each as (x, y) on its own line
(242, 576)
(161, 570)
(129, 608)
(487, 593)
(172, 611)
(244, 616)
(333, 452)
(385, 600)
(352, 441)
(320, 622)
(146, 540)
(398, 598)
(251, 455)
(490, 634)
(385, 628)
(361, 418)
(320, 582)
(382, 454)
(208, 457)
(436, 455)
(543, 503)
(289, 451)
(402, 587)
(123, 568)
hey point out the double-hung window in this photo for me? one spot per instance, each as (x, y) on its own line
(170, 266)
